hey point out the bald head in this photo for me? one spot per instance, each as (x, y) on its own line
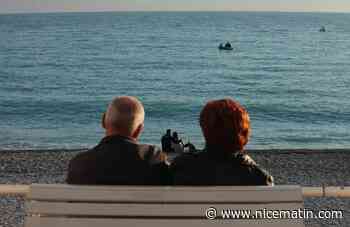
(125, 115)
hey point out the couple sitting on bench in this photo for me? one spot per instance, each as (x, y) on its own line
(120, 160)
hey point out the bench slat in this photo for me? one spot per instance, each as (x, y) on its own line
(90, 222)
(143, 210)
(142, 194)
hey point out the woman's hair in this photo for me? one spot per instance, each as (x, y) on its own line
(225, 125)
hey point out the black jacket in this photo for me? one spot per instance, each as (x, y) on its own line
(118, 160)
(208, 169)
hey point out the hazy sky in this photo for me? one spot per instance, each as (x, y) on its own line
(12, 6)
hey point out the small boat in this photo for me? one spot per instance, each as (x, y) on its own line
(322, 29)
(225, 47)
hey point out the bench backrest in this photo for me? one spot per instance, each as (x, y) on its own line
(130, 206)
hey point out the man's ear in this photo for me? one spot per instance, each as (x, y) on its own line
(103, 120)
(138, 131)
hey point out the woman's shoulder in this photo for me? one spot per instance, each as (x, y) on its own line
(244, 159)
(257, 174)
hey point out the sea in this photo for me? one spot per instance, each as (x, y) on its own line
(59, 71)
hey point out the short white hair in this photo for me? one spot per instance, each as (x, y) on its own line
(125, 113)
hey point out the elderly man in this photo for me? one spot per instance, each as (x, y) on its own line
(118, 159)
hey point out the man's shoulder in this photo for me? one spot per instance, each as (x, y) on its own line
(81, 166)
(85, 156)
(145, 152)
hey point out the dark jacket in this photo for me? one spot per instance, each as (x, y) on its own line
(208, 169)
(118, 160)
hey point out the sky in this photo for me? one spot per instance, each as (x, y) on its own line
(30, 6)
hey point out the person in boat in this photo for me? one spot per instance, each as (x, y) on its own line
(323, 29)
(228, 45)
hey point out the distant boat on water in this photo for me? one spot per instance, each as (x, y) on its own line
(226, 46)
(322, 29)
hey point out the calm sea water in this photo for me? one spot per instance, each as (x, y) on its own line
(59, 71)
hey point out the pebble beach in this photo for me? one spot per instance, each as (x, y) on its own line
(293, 167)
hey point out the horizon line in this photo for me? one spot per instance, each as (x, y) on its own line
(173, 11)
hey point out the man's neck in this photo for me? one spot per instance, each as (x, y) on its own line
(115, 133)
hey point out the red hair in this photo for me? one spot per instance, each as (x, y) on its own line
(225, 125)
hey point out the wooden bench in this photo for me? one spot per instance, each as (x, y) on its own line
(130, 206)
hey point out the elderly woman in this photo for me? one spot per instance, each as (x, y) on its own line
(226, 127)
